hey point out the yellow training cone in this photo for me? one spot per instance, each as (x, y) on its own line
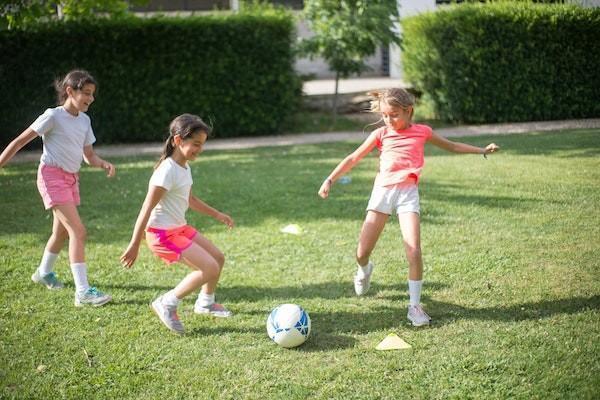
(393, 342)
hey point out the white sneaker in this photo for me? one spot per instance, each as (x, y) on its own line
(215, 309)
(363, 283)
(92, 297)
(418, 316)
(50, 280)
(168, 316)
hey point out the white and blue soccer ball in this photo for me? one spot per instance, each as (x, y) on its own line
(288, 325)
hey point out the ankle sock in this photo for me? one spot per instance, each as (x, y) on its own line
(206, 300)
(169, 299)
(414, 292)
(47, 263)
(79, 271)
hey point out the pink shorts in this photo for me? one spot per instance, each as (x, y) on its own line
(57, 186)
(168, 244)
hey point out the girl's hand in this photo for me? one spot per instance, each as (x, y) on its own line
(491, 148)
(109, 168)
(130, 255)
(226, 219)
(325, 187)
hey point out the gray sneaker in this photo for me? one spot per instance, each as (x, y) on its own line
(50, 280)
(168, 316)
(418, 316)
(92, 297)
(363, 283)
(215, 309)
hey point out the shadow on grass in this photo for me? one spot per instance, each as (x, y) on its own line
(448, 313)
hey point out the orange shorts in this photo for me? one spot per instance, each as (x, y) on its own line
(168, 244)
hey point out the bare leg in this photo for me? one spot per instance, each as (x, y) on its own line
(68, 217)
(59, 235)
(210, 286)
(411, 234)
(205, 269)
(369, 234)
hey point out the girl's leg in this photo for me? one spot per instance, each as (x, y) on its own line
(369, 234)
(210, 286)
(411, 234)
(68, 216)
(43, 274)
(205, 269)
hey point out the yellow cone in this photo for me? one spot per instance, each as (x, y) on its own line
(393, 342)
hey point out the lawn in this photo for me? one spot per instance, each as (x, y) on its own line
(512, 281)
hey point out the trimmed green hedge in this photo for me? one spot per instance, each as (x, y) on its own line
(506, 61)
(234, 71)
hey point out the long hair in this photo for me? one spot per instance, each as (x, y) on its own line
(185, 126)
(75, 79)
(394, 97)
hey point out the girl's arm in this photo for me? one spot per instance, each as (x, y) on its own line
(92, 159)
(347, 164)
(155, 193)
(17, 144)
(457, 147)
(199, 206)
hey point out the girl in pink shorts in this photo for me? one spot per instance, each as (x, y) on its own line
(168, 236)
(68, 137)
(401, 148)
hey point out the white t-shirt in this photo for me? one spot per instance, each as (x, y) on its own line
(64, 137)
(170, 211)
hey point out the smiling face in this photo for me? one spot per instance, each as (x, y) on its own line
(396, 118)
(80, 99)
(192, 146)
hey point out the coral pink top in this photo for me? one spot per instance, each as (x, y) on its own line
(401, 154)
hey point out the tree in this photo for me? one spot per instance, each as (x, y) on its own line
(22, 14)
(346, 32)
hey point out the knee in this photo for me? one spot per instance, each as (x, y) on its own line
(79, 233)
(413, 252)
(211, 270)
(220, 259)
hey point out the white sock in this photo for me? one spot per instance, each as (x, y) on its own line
(414, 292)
(169, 299)
(206, 300)
(361, 271)
(47, 263)
(79, 271)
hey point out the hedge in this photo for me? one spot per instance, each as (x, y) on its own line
(506, 61)
(235, 71)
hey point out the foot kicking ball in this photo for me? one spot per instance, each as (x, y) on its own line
(288, 325)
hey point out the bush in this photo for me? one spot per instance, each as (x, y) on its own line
(235, 71)
(506, 61)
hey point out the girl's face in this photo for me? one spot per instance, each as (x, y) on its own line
(191, 146)
(82, 98)
(396, 118)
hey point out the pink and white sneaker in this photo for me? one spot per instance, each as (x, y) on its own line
(418, 316)
(215, 309)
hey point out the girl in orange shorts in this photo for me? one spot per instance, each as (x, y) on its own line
(168, 236)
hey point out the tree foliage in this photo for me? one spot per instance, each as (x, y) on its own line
(23, 14)
(348, 31)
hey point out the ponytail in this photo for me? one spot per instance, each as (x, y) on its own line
(183, 126)
(167, 151)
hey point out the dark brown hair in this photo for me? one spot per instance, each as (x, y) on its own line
(75, 79)
(185, 125)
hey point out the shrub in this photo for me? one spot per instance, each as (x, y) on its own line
(235, 71)
(507, 61)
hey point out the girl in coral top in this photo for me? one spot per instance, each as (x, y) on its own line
(401, 146)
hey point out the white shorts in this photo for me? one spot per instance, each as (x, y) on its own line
(400, 199)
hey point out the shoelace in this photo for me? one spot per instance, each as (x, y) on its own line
(93, 291)
(51, 277)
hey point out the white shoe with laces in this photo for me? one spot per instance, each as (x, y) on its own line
(362, 281)
(418, 316)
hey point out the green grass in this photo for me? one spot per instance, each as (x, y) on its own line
(512, 281)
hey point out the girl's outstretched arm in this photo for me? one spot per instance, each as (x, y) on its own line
(457, 147)
(155, 193)
(17, 144)
(199, 206)
(347, 164)
(92, 159)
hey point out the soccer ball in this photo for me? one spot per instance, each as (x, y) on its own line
(288, 325)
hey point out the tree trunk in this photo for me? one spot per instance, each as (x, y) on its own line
(335, 98)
